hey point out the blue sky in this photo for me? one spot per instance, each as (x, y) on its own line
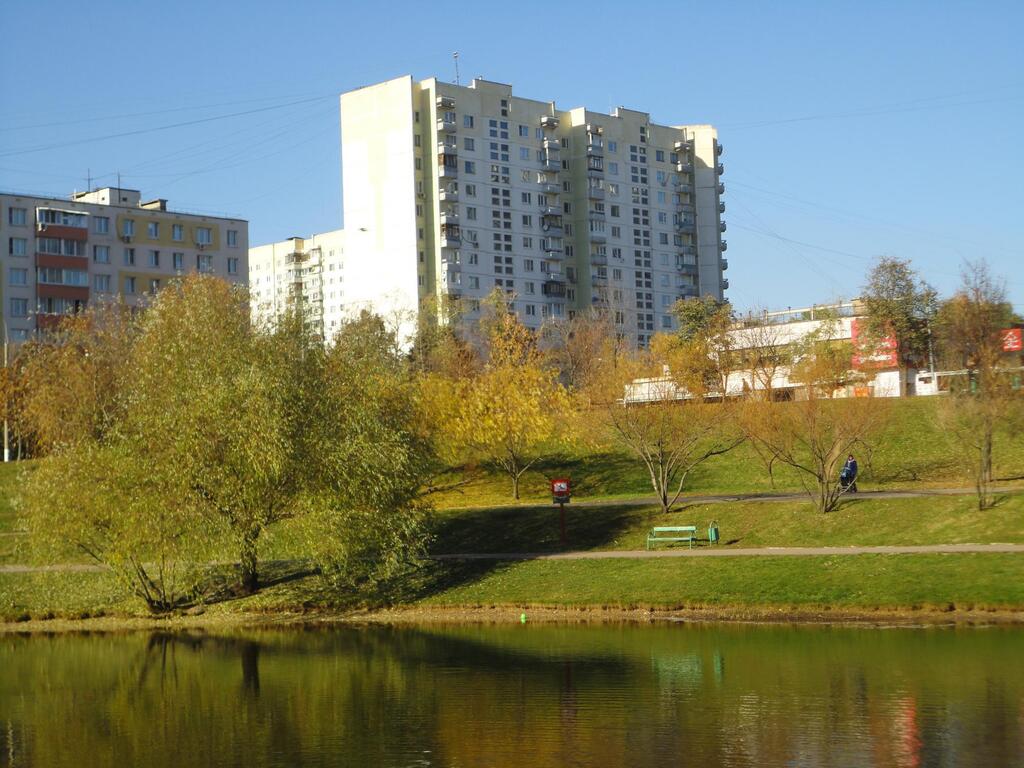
(851, 130)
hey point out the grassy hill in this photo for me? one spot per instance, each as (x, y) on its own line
(912, 452)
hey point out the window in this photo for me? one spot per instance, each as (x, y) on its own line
(471, 190)
(204, 235)
(129, 257)
(659, 155)
(232, 266)
(16, 217)
(474, 281)
(154, 259)
(530, 287)
(471, 213)
(470, 166)
(232, 238)
(177, 232)
(666, 321)
(527, 220)
(528, 265)
(127, 227)
(469, 144)
(154, 285)
(204, 262)
(524, 153)
(467, 121)
(101, 254)
(129, 285)
(613, 146)
(19, 307)
(531, 309)
(524, 131)
(527, 197)
(178, 260)
(101, 283)
(527, 242)
(613, 168)
(18, 246)
(101, 225)
(153, 230)
(18, 276)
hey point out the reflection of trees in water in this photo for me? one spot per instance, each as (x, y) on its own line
(532, 696)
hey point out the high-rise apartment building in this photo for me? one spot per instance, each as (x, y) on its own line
(455, 191)
(300, 271)
(58, 254)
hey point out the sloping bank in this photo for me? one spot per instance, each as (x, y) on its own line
(875, 588)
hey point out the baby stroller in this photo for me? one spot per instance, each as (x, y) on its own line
(848, 476)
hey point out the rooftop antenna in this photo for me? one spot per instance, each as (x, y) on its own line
(455, 56)
(88, 179)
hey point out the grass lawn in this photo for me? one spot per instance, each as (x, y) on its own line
(860, 581)
(913, 452)
(927, 520)
(9, 479)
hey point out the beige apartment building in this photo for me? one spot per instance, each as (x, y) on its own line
(60, 254)
(300, 271)
(455, 190)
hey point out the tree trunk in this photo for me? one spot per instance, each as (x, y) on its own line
(250, 577)
(515, 486)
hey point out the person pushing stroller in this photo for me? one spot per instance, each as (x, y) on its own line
(848, 477)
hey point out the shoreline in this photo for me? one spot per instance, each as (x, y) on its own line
(512, 614)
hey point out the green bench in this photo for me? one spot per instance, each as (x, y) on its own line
(672, 533)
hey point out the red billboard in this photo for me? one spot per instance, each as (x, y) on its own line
(869, 352)
(1012, 340)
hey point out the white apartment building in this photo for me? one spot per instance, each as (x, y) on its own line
(307, 271)
(59, 254)
(455, 190)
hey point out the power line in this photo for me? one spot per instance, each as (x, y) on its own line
(141, 131)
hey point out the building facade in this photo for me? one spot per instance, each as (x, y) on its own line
(60, 254)
(300, 271)
(458, 190)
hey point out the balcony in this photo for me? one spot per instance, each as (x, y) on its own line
(725, 283)
(725, 264)
(718, 149)
(688, 291)
(689, 208)
(448, 194)
(550, 210)
(449, 217)
(551, 143)
(554, 288)
(684, 167)
(599, 259)
(451, 237)
(598, 280)
(596, 214)
(721, 207)
(720, 169)
(598, 237)
(687, 250)
(595, 192)
(721, 188)
(687, 227)
(295, 257)
(445, 124)
(445, 102)
(552, 245)
(448, 167)
(550, 187)
(683, 146)
(551, 229)
(684, 188)
(724, 246)
(595, 148)
(549, 121)
(688, 269)
(721, 226)
(550, 163)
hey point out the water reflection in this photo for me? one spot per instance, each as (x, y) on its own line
(517, 696)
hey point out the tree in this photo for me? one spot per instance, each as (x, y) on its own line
(646, 411)
(703, 352)
(982, 402)
(767, 352)
(511, 412)
(900, 305)
(574, 346)
(822, 361)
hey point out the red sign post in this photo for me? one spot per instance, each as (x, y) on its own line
(1013, 340)
(561, 493)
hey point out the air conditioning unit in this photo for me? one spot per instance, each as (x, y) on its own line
(126, 238)
(200, 246)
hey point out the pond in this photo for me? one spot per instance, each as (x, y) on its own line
(517, 695)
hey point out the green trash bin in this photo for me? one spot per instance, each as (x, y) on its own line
(713, 533)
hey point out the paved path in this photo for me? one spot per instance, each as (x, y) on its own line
(640, 554)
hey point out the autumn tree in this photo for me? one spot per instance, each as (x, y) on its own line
(900, 305)
(511, 412)
(767, 352)
(704, 347)
(645, 410)
(575, 346)
(982, 401)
